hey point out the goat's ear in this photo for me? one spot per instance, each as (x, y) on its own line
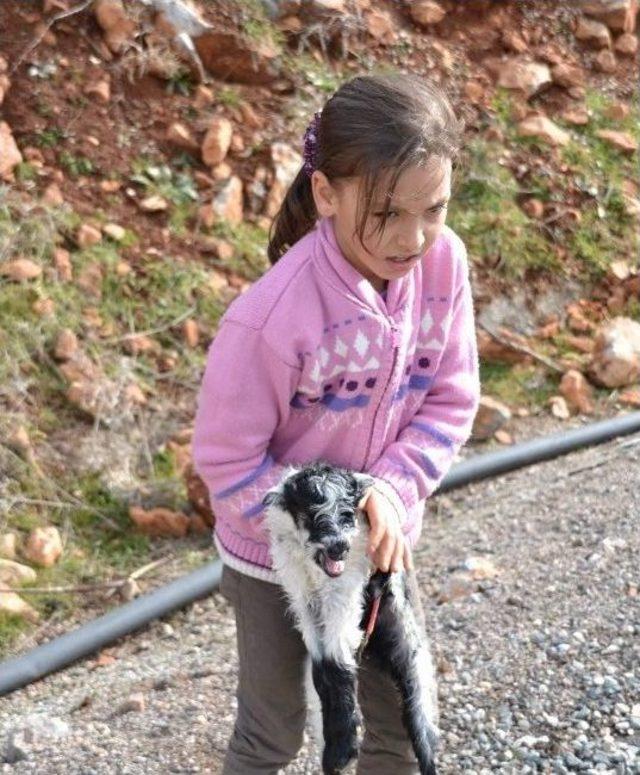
(273, 498)
(362, 482)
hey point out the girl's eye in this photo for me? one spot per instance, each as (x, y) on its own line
(439, 207)
(392, 213)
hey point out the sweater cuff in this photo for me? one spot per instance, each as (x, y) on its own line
(390, 494)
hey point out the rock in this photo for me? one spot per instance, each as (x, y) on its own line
(203, 96)
(576, 116)
(90, 279)
(140, 343)
(66, 345)
(217, 141)
(198, 495)
(52, 195)
(380, 26)
(154, 204)
(513, 41)
(545, 129)
(134, 703)
(559, 407)
(14, 573)
(191, 333)
(621, 141)
(8, 543)
(10, 156)
(44, 307)
(110, 186)
(577, 321)
(503, 437)
(43, 546)
(231, 57)
(133, 394)
(286, 165)
(568, 75)
(630, 398)
(579, 394)
(249, 116)
(88, 235)
(11, 603)
(617, 14)
(617, 111)
(20, 269)
(180, 136)
(62, 261)
(426, 13)
(492, 350)
(534, 208)
(605, 61)
(227, 205)
(592, 32)
(114, 231)
(5, 83)
(31, 732)
(627, 45)
(527, 77)
(100, 89)
(491, 415)
(616, 355)
(117, 26)
(457, 586)
(480, 568)
(79, 367)
(19, 441)
(159, 521)
(582, 343)
(474, 92)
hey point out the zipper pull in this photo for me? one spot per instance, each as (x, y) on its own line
(395, 335)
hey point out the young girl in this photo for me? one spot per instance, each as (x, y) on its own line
(357, 347)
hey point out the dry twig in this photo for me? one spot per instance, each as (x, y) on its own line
(38, 39)
(550, 364)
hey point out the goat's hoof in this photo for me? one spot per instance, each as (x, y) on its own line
(336, 758)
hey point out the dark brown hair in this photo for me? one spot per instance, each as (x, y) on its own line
(372, 126)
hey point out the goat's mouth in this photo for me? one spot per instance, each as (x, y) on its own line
(333, 568)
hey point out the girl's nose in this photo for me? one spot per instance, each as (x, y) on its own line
(411, 240)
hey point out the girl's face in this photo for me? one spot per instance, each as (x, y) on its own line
(417, 214)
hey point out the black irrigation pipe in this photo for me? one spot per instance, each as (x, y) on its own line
(87, 639)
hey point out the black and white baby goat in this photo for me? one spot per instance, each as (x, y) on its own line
(318, 544)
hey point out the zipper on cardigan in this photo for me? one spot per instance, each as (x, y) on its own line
(395, 343)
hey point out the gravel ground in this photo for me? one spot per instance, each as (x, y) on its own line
(539, 666)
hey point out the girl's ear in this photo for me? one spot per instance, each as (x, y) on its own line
(324, 194)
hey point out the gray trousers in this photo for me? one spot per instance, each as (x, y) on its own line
(271, 699)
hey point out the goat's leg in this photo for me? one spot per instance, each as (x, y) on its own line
(335, 684)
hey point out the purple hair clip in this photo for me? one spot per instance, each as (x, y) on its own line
(310, 144)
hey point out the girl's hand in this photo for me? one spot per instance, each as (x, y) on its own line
(387, 547)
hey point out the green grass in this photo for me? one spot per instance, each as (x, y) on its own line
(319, 75)
(517, 384)
(249, 242)
(256, 24)
(229, 96)
(485, 214)
(100, 538)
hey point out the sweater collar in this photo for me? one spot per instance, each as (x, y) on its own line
(346, 278)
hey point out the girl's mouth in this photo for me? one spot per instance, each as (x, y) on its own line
(401, 261)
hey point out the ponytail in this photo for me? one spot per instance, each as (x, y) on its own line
(296, 217)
